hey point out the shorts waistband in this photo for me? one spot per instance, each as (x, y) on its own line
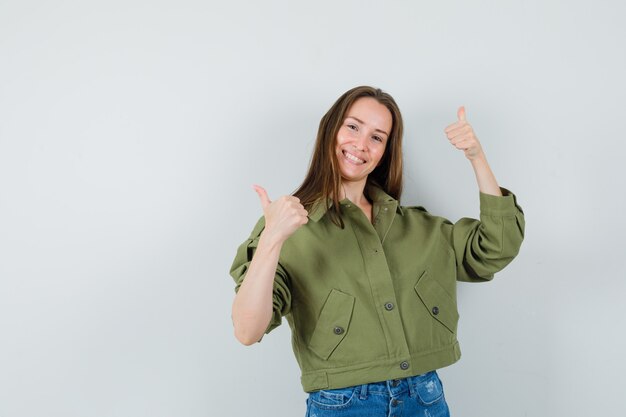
(393, 387)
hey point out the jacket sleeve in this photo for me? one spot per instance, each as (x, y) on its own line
(484, 247)
(281, 297)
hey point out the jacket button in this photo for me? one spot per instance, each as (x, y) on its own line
(404, 365)
(338, 330)
(435, 310)
(389, 306)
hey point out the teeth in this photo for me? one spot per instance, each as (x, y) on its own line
(353, 158)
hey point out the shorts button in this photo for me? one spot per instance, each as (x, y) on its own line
(404, 365)
(394, 402)
(395, 383)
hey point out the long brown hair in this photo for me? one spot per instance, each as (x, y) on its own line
(324, 177)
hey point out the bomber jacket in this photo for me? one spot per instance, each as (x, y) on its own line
(377, 300)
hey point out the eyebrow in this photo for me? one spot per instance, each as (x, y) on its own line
(362, 122)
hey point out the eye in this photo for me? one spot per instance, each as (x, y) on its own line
(352, 127)
(377, 138)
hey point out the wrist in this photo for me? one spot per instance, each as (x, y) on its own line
(270, 240)
(479, 160)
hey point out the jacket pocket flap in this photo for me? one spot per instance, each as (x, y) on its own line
(441, 306)
(332, 324)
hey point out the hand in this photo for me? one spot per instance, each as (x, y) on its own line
(462, 136)
(283, 216)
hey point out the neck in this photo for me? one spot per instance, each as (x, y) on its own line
(353, 191)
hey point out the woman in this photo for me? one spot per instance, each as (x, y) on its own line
(368, 287)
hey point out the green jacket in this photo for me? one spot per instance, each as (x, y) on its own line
(373, 302)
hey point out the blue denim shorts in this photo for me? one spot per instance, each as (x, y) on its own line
(420, 395)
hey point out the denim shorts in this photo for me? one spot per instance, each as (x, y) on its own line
(420, 395)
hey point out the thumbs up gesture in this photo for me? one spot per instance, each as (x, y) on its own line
(283, 216)
(462, 136)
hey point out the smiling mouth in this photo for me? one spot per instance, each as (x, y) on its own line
(352, 158)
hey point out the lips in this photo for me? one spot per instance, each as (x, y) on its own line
(352, 158)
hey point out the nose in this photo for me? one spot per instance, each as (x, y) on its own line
(360, 142)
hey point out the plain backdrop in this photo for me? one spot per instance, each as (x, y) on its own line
(131, 133)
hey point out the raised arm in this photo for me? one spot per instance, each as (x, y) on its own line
(483, 247)
(253, 305)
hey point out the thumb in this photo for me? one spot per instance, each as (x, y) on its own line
(461, 113)
(265, 200)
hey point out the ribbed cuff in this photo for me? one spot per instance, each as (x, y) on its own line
(495, 205)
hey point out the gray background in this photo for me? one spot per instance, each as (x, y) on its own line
(131, 133)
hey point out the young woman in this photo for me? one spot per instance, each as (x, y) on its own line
(368, 286)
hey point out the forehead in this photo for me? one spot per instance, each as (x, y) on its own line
(372, 113)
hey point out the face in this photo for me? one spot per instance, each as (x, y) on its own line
(362, 138)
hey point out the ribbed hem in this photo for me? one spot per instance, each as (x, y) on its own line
(365, 373)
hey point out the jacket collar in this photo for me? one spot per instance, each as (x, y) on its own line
(378, 196)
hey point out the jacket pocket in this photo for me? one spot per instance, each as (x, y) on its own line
(441, 306)
(332, 324)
